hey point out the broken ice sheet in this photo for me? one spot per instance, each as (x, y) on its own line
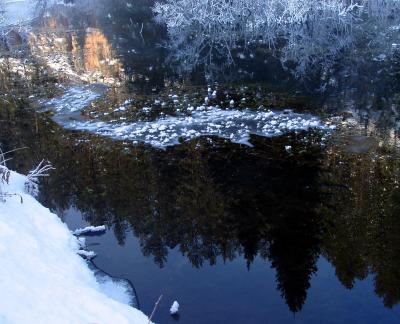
(233, 124)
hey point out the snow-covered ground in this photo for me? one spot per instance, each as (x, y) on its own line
(42, 279)
(233, 124)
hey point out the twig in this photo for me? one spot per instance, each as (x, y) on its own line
(155, 308)
(40, 171)
(141, 32)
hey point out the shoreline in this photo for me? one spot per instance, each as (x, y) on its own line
(43, 277)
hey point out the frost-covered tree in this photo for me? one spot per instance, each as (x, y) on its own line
(308, 29)
(309, 33)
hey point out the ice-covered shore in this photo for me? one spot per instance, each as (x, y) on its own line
(42, 279)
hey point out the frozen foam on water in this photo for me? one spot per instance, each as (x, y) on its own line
(233, 124)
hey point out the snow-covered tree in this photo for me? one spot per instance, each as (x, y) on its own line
(307, 32)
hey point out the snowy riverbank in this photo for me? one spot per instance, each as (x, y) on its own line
(42, 278)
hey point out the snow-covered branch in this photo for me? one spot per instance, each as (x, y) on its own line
(4, 174)
(41, 170)
(33, 176)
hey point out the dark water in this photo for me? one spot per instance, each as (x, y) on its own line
(301, 228)
(234, 233)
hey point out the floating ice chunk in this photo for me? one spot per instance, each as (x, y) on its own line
(90, 229)
(146, 109)
(174, 308)
(380, 57)
(87, 254)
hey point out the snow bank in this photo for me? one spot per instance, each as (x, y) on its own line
(42, 279)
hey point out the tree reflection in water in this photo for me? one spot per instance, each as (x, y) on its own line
(361, 229)
(209, 198)
(216, 201)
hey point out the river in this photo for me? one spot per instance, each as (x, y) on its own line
(245, 193)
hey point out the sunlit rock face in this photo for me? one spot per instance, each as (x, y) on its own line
(99, 55)
(75, 54)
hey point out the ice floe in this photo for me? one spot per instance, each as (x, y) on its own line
(233, 124)
(90, 229)
(174, 308)
(74, 99)
(89, 255)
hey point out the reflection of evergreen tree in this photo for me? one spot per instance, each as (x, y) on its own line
(274, 210)
(386, 254)
(362, 222)
(294, 251)
(222, 200)
(207, 200)
(295, 227)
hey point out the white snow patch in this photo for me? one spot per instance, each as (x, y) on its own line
(89, 255)
(73, 100)
(89, 229)
(41, 275)
(174, 308)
